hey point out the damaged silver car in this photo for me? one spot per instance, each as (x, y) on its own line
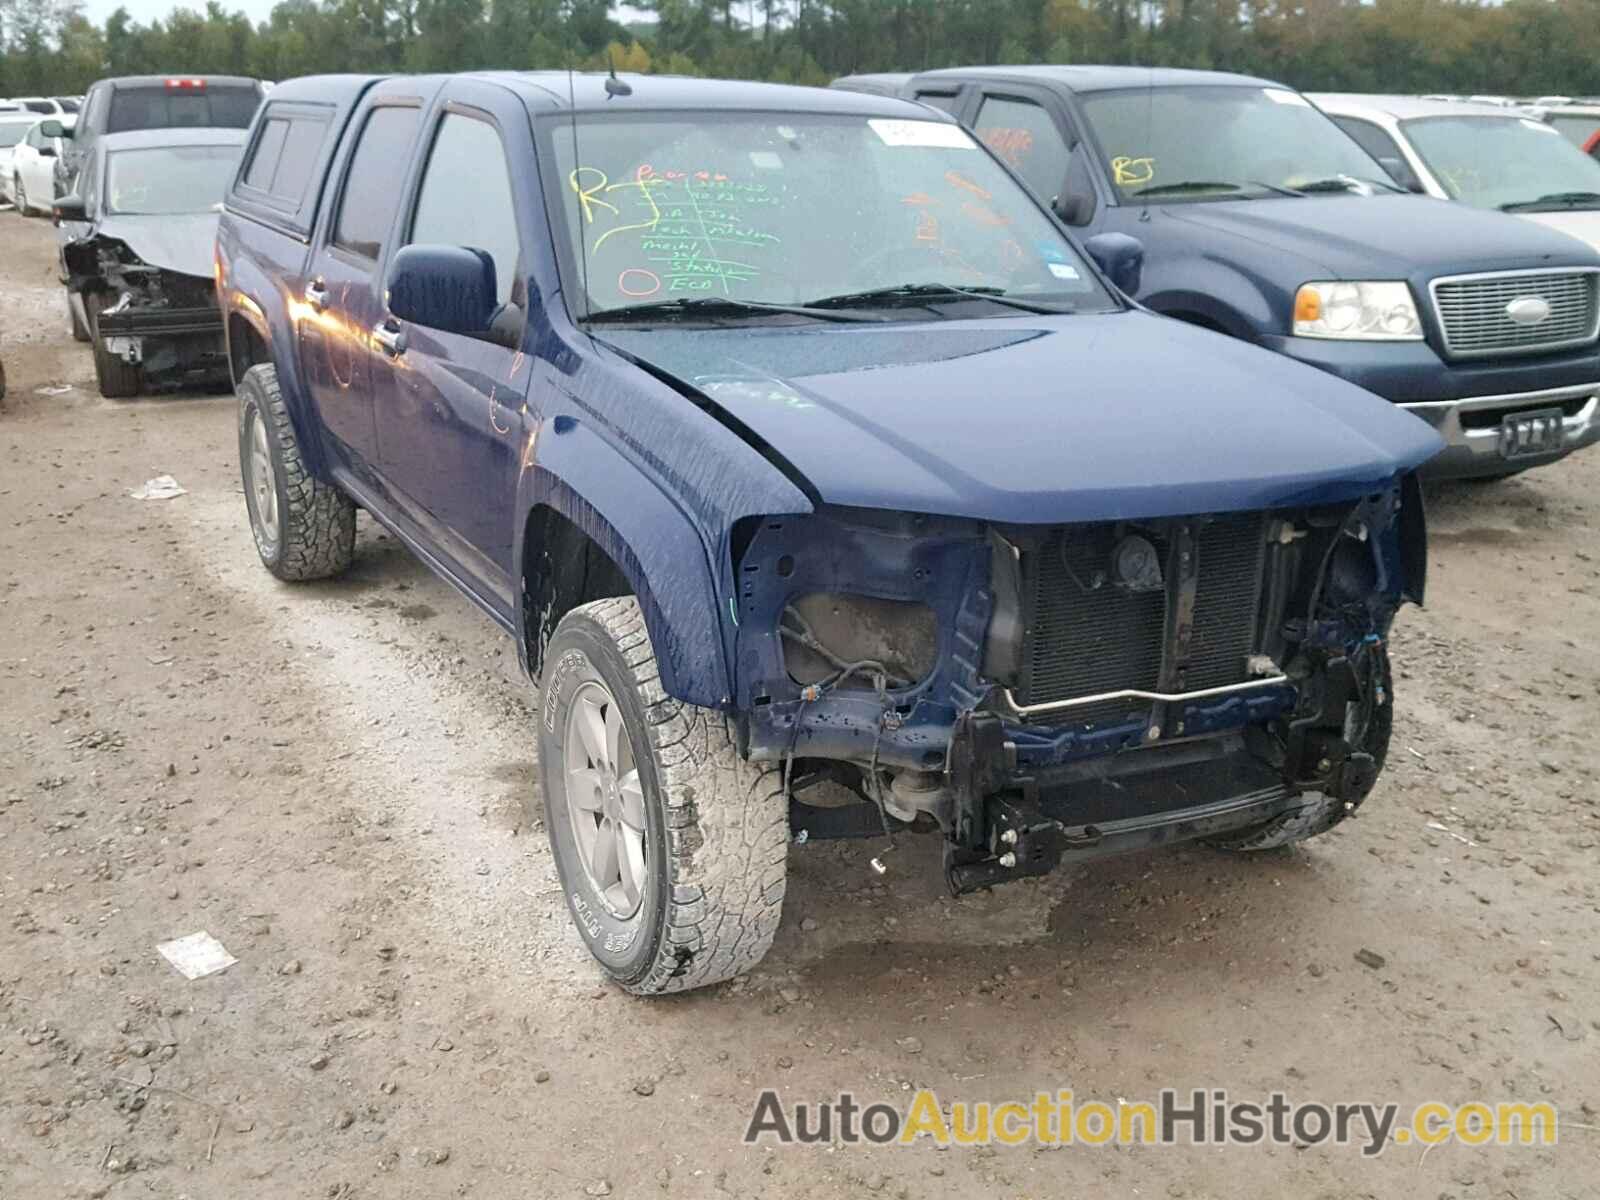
(137, 236)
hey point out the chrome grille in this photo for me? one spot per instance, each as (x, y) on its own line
(1472, 311)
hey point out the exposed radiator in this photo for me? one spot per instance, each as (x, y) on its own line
(1088, 634)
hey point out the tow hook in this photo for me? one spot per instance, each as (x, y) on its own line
(1022, 842)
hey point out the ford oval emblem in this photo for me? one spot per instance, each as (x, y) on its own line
(1528, 310)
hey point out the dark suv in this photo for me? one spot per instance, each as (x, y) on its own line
(1260, 218)
(799, 449)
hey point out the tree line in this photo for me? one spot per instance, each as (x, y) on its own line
(1518, 47)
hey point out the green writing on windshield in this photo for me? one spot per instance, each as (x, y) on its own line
(675, 231)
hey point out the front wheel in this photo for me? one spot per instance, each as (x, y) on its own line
(671, 848)
(304, 528)
(118, 380)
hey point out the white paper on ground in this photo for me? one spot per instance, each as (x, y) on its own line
(197, 955)
(162, 487)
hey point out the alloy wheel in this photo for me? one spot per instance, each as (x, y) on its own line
(605, 799)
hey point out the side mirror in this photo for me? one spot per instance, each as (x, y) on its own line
(54, 129)
(444, 287)
(1400, 171)
(1073, 208)
(1121, 257)
(69, 208)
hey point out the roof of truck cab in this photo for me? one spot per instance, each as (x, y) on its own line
(1099, 79)
(132, 81)
(558, 91)
(1405, 108)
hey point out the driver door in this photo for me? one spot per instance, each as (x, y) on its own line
(451, 427)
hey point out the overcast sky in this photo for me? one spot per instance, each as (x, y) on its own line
(145, 11)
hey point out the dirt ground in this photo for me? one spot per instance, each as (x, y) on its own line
(327, 779)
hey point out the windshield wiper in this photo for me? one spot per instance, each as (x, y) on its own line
(1555, 200)
(921, 292)
(711, 306)
(1343, 183)
(1189, 185)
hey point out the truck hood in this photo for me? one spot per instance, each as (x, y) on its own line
(1385, 236)
(183, 243)
(1583, 224)
(1040, 419)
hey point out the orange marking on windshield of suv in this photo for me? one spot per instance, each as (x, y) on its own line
(644, 282)
(985, 216)
(1130, 171)
(918, 198)
(957, 179)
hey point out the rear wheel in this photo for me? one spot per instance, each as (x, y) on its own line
(671, 848)
(117, 379)
(304, 528)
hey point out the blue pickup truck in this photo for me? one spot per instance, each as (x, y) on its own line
(826, 487)
(1262, 219)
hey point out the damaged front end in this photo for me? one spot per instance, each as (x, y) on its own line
(162, 321)
(1037, 691)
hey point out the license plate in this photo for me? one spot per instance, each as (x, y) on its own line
(1525, 433)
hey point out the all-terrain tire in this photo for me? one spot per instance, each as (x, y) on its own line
(717, 826)
(118, 380)
(1322, 812)
(315, 522)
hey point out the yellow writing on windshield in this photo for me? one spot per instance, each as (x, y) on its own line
(1132, 171)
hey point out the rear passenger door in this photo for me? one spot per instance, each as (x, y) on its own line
(343, 295)
(450, 431)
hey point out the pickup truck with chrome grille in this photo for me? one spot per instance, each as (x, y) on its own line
(1262, 219)
(827, 488)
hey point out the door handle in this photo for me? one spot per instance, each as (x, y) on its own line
(317, 294)
(391, 337)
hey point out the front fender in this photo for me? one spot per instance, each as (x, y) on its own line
(676, 570)
(1222, 293)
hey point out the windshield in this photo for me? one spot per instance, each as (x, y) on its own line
(794, 208)
(1220, 143)
(168, 179)
(1490, 162)
(1579, 130)
(12, 132)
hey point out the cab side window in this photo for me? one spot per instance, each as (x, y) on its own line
(465, 197)
(374, 180)
(1025, 137)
